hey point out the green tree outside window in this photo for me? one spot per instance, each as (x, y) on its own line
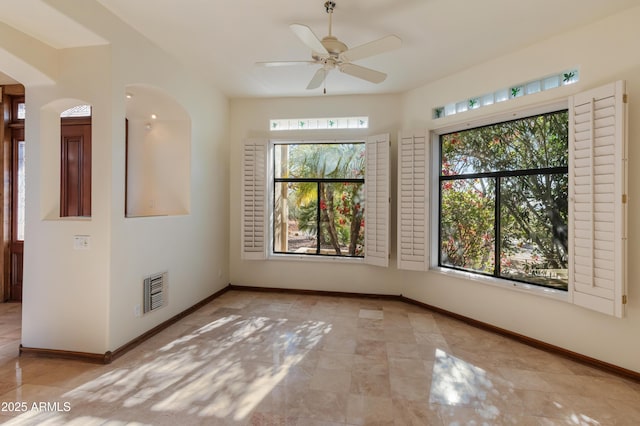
(503, 200)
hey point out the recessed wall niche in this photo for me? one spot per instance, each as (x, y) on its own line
(158, 139)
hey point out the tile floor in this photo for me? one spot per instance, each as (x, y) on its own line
(279, 359)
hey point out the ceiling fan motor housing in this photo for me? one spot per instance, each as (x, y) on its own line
(333, 45)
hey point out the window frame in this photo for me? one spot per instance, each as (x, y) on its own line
(497, 177)
(272, 181)
(434, 183)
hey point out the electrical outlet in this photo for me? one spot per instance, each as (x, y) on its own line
(136, 311)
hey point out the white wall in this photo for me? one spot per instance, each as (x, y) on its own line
(192, 247)
(65, 291)
(250, 118)
(602, 51)
(84, 300)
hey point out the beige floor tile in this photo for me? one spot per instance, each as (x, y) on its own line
(370, 384)
(403, 350)
(399, 335)
(318, 405)
(406, 367)
(372, 349)
(335, 381)
(416, 413)
(370, 365)
(335, 360)
(369, 410)
(410, 388)
(396, 319)
(251, 358)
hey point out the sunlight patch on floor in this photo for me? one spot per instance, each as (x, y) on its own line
(210, 373)
(457, 382)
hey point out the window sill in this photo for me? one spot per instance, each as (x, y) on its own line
(316, 258)
(505, 284)
(69, 219)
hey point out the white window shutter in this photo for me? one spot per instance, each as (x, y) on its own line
(597, 199)
(254, 199)
(413, 211)
(376, 228)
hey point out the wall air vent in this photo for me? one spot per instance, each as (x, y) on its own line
(155, 291)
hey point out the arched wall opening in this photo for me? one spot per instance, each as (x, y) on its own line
(66, 163)
(158, 154)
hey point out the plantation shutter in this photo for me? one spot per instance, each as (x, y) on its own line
(597, 195)
(376, 229)
(254, 199)
(413, 212)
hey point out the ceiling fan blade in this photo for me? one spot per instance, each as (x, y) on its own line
(372, 48)
(364, 73)
(317, 79)
(307, 36)
(284, 63)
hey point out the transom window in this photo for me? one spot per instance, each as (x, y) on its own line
(330, 123)
(503, 200)
(319, 198)
(77, 111)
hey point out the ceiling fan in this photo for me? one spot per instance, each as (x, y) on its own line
(331, 53)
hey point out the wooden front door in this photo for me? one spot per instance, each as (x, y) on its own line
(16, 245)
(75, 168)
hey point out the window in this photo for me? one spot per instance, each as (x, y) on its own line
(20, 192)
(546, 83)
(319, 206)
(77, 111)
(17, 164)
(503, 193)
(305, 199)
(333, 123)
(18, 109)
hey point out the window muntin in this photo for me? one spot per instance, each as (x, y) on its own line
(503, 200)
(319, 199)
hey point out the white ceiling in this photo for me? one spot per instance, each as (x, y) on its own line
(5, 79)
(225, 39)
(43, 22)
